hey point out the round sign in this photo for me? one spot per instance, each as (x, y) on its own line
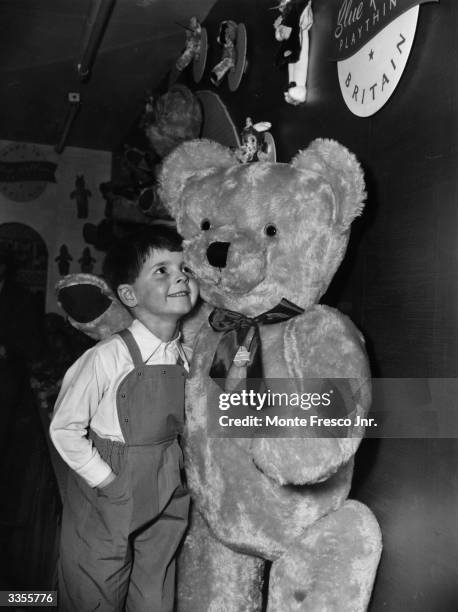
(25, 190)
(369, 77)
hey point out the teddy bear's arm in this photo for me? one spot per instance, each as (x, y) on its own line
(323, 344)
(91, 306)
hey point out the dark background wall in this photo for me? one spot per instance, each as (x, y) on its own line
(399, 282)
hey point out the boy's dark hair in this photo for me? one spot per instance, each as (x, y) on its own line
(126, 257)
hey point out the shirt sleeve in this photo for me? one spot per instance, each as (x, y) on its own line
(82, 389)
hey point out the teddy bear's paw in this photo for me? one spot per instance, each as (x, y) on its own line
(332, 567)
(91, 306)
(301, 461)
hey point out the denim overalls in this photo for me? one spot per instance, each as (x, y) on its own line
(118, 544)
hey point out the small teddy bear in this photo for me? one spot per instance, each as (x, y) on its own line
(265, 240)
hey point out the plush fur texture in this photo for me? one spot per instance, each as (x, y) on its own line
(91, 306)
(175, 116)
(285, 227)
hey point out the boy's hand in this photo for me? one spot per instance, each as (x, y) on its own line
(107, 480)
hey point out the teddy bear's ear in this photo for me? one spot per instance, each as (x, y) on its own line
(187, 160)
(340, 168)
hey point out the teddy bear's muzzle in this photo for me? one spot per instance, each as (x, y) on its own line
(226, 266)
(217, 254)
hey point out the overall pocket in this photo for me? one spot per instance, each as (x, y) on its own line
(118, 489)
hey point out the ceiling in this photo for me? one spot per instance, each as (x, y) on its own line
(39, 45)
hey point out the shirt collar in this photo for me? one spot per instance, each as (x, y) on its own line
(149, 343)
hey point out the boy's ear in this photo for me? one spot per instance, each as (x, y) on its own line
(127, 295)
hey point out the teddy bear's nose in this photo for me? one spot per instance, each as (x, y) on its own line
(217, 254)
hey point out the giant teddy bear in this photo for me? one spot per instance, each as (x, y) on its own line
(272, 528)
(259, 235)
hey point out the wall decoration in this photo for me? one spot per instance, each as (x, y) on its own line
(232, 37)
(63, 260)
(87, 261)
(81, 194)
(373, 40)
(292, 30)
(195, 49)
(27, 254)
(24, 172)
(257, 143)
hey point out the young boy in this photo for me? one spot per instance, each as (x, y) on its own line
(116, 422)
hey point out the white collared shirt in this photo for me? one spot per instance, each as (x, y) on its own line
(88, 396)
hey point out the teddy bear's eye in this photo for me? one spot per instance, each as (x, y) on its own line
(205, 225)
(270, 229)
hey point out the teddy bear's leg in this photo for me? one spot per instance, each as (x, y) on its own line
(332, 567)
(213, 578)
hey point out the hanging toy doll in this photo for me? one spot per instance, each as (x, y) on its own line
(253, 145)
(192, 44)
(227, 38)
(291, 29)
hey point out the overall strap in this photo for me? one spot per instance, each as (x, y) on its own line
(132, 346)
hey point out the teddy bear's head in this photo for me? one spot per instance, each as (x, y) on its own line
(257, 233)
(172, 118)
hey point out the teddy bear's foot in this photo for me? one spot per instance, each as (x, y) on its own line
(332, 567)
(213, 578)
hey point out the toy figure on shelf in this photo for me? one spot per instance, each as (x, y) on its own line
(226, 37)
(254, 145)
(63, 260)
(82, 195)
(291, 29)
(192, 48)
(232, 37)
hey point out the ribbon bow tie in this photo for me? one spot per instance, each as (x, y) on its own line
(236, 327)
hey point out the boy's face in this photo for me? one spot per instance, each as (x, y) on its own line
(165, 287)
